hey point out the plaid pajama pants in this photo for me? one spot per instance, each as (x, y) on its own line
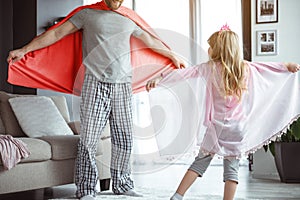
(102, 102)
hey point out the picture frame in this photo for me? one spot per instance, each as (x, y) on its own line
(266, 11)
(267, 42)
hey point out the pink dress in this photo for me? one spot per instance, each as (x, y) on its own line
(224, 126)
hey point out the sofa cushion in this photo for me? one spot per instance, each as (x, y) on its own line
(65, 146)
(2, 129)
(38, 116)
(10, 122)
(75, 127)
(61, 104)
(9, 119)
(39, 150)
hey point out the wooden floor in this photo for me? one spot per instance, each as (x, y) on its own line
(168, 177)
(211, 183)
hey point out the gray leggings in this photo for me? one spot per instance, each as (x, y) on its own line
(231, 166)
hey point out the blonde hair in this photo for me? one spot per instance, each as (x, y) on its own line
(225, 49)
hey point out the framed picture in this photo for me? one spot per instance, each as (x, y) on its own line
(266, 11)
(267, 42)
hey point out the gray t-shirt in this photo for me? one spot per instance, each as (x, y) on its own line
(106, 44)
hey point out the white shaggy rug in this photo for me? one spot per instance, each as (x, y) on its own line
(158, 194)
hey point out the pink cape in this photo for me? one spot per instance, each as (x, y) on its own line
(59, 66)
(185, 112)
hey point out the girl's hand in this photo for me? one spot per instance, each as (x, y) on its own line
(152, 83)
(292, 67)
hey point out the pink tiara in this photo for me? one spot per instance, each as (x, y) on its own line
(224, 28)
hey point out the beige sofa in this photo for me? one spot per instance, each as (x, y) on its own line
(52, 158)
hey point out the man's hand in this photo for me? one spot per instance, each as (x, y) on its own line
(292, 67)
(179, 63)
(15, 55)
(152, 83)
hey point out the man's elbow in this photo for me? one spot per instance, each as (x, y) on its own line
(63, 30)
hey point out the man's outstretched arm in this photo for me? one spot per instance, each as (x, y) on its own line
(44, 40)
(157, 46)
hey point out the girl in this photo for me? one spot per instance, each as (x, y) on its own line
(235, 90)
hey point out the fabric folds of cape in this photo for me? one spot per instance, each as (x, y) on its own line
(59, 66)
(180, 117)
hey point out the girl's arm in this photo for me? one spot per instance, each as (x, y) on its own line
(277, 66)
(176, 75)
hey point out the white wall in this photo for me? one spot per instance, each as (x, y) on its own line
(47, 11)
(288, 50)
(288, 28)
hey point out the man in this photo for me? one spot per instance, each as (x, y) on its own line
(106, 91)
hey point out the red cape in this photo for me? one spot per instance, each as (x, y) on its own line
(58, 67)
